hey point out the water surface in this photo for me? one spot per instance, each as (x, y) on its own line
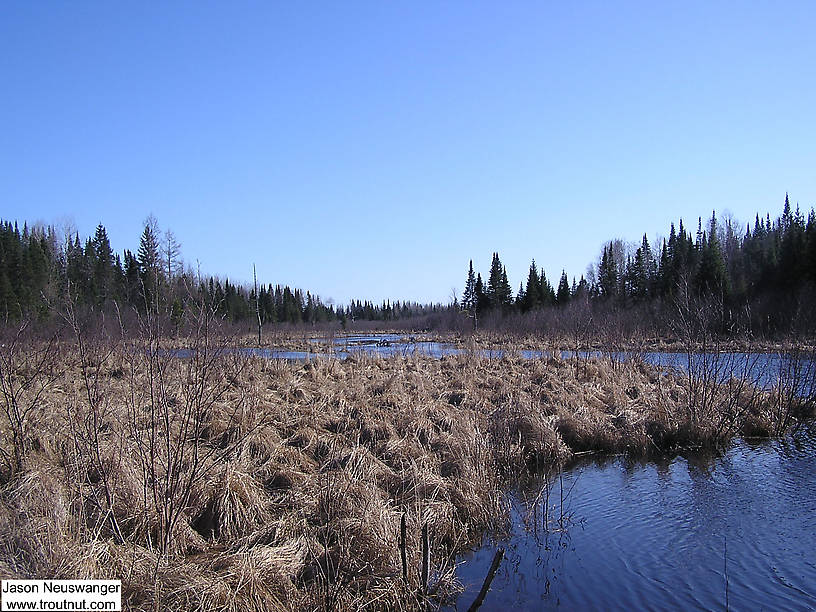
(688, 533)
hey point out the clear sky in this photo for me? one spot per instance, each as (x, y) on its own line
(371, 149)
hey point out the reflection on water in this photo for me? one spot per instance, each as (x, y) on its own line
(686, 533)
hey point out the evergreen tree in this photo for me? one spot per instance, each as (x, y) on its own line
(133, 281)
(9, 306)
(810, 234)
(642, 272)
(663, 287)
(563, 296)
(149, 254)
(482, 299)
(532, 293)
(469, 295)
(149, 257)
(792, 250)
(546, 291)
(581, 292)
(75, 269)
(711, 277)
(495, 286)
(608, 274)
(505, 291)
(102, 265)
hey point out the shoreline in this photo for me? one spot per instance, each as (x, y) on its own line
(312, 342)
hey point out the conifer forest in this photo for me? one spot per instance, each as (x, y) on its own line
(761, 274)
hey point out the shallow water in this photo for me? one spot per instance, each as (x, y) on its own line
(761, 368)
(690, 533)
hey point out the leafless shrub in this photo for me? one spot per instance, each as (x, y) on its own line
(794, 397)
(28, 369)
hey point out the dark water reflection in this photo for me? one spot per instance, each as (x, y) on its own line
(664, 536)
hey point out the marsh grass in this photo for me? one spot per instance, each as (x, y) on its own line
(228, 482)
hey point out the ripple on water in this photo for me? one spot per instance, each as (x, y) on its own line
(664, 536)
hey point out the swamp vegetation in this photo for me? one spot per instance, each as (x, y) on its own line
(223, 481)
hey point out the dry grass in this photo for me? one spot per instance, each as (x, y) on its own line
(306, 470)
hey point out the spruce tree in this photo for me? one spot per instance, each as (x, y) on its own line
(582, 290)
(495, 287)
(505, 291)
(810, 236)
(711, 277)
(792, 251)
(482, 298)
(75, 269)
(469, 295)
(532, 293)
(149, 253)
(9, 306)
(608, 274)
(132, 281)
(547, 293)
(563, 295)
(149, 258)
(102, 264)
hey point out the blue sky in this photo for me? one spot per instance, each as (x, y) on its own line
(371, 149)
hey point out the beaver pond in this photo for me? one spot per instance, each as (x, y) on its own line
(315, 466)
(690, 532)
(693, 532)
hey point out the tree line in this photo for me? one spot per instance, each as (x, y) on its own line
(39, 271)
(763, 274)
